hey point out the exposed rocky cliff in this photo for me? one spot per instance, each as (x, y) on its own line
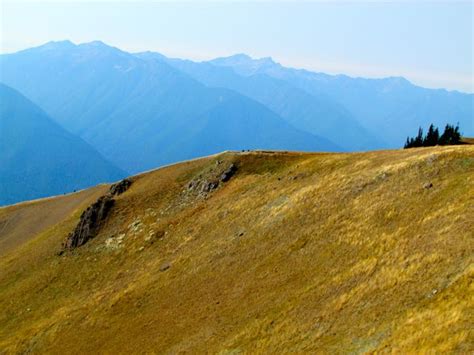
(93, 217)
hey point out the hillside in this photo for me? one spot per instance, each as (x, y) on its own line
(39, 158)
(295, 252)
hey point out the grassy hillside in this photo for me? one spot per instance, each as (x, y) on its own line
(295, 253)
(21, 222)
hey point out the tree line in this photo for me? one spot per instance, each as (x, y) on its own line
(450, 136)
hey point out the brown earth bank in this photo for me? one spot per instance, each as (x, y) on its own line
(291, 252)
(467, 140)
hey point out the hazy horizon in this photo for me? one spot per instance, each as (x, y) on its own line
(276, 60)
(370, 40)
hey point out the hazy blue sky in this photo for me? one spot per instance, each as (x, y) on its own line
(429, 43)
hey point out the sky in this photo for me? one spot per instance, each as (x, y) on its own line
(429, 43)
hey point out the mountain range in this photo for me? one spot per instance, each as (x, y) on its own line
(317, 113)
(39, 158)
(388, 107)
(142, 114)
(144, 110)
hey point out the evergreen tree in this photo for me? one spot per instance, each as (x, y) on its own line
(445, 137)
(407, 143)
(436, 136)
(450, 136)
(456, 135)
(419, 138)
(432, 137)
(410, 143)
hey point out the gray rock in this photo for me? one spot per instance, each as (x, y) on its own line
(93, 217)
(165, 266)
(120, 187)
(90, 222)
(228, 173)
(205, 185)
(154, 236)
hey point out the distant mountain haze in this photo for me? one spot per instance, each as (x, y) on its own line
(317, 114)
(388, 107)
(38, 158)
(141, 114)
(144, 110)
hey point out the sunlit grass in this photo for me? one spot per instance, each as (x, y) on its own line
(297, 252)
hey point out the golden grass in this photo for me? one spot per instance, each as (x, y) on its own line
(296, 253)
(23, 221)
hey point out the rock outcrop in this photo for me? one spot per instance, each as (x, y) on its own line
(228, 173)
(94, 216)
(204, 184)
(120, 187)
(90, 222)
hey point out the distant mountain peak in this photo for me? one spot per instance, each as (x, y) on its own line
(56, 45)
(394, 83)
(150, 55)
(241, 58)
(399, 80)
(99, 48)
(244, 64)
(67, 44)
(95, 44)
(267, 60)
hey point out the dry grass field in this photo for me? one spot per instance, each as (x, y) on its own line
(297, 252)
(23, 221)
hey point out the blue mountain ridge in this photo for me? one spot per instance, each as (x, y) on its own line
(141, 114)
(39, 158)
